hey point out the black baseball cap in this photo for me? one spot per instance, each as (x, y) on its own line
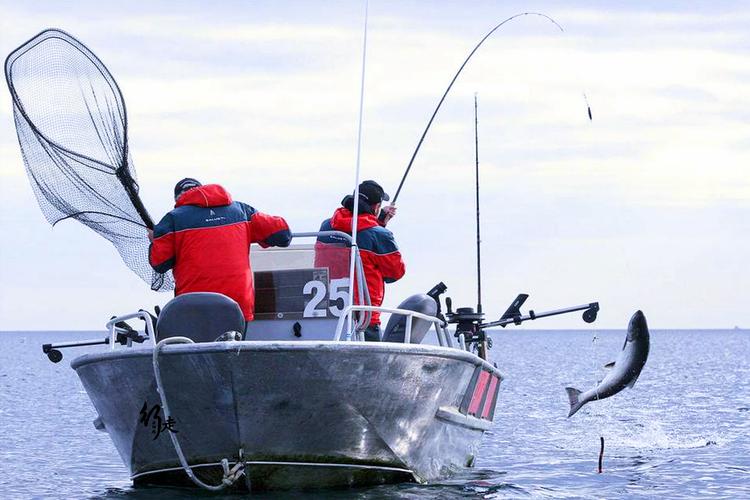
(372, 192)
(184, 185)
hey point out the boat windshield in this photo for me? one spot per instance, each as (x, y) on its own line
(302, 281)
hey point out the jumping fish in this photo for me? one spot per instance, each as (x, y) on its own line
(625, 370)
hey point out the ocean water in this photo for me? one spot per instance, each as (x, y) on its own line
(683, 431)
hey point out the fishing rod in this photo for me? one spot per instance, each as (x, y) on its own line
(450, 85)
(476, 177)
(482, 344)
(471, 327)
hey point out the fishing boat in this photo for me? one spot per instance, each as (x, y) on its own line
(297, 402)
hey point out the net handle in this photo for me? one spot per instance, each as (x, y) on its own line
(130, 188)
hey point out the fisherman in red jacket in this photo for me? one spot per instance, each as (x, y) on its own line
(206, 239)
(381, 260)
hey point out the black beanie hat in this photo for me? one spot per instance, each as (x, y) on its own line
(184, 185)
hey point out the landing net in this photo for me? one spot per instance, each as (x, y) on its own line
(72, 128)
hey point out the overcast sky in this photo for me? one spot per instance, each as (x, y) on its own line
(647, 206)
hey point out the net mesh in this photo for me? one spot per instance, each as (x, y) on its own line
(72, 128)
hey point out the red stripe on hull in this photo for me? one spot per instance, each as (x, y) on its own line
(490, 399)
(476, 397)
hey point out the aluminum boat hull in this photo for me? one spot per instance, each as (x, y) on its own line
(302, 414)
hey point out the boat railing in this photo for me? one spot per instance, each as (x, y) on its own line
(442, 336)
(315, 234)
(144, 315)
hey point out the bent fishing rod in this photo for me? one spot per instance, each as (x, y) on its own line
(450, 85)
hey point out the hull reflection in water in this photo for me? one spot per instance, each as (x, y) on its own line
(298, 414)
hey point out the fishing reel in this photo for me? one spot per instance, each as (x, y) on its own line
(469, 323)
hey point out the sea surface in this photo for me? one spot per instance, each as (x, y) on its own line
(683, 431)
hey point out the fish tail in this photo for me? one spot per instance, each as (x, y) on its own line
(575, 404)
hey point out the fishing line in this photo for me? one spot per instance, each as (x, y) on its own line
(599, 424)
(588, 107)
(594, 363)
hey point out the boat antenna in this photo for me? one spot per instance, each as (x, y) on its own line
(476, 176)
(445, 94)
(355, 203)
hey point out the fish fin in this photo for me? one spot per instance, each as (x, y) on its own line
(611, 364)
(632, 382)
(575, 404)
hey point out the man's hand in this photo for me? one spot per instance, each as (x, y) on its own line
(150, 235)
(389, 213)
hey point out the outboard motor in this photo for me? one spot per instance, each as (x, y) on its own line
(396, 328)
(201, 317)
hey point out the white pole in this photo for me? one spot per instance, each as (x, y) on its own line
(355, 206)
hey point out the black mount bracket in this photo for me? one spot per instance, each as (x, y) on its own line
(124, 335)
(471, 325)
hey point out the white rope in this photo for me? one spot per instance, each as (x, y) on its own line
(230, 475)
(355, 204)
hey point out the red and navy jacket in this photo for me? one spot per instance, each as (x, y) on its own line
(381, 260)
(206, 241)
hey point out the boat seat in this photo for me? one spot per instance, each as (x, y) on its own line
(200, 316)
(396, 327)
